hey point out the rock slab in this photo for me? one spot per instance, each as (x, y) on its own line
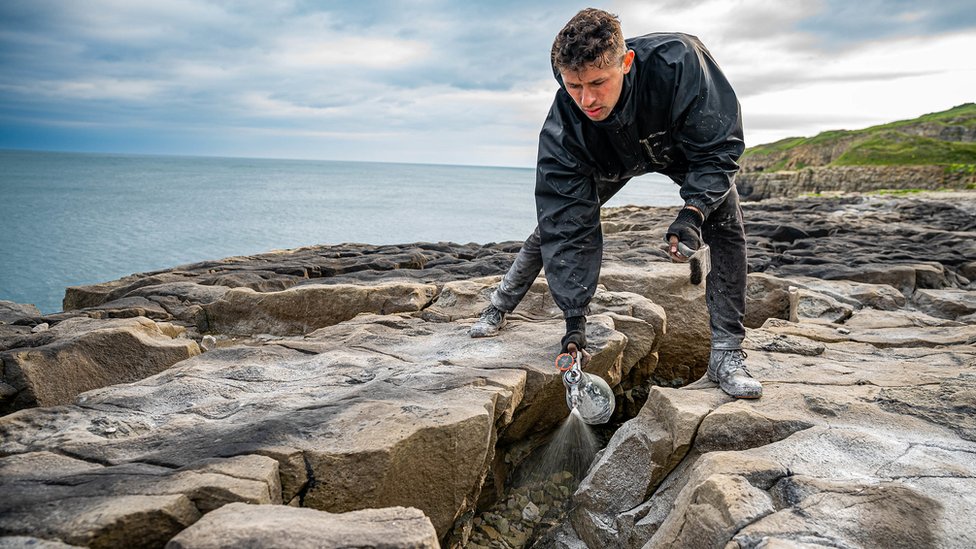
(239, 525)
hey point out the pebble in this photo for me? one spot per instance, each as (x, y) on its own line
(208, 343)
(492, 533)
(519, 538)
(527, 510)
(531, 512)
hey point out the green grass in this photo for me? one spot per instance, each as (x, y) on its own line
(961, 168)
(791, 143)
(882, 145)
(777, 146)
(960, 115)
(898, 192)
(896, 148)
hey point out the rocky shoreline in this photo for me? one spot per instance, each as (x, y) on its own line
(330, 397)
(760, 185)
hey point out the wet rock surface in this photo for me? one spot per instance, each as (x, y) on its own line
(339, 379)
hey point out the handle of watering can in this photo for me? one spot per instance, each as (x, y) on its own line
(564, 362)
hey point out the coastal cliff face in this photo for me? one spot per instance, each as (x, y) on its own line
(935, 151)
(330, 396)
(859, 179)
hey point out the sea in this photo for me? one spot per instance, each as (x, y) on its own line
(69, 219)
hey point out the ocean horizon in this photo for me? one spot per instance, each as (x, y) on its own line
(71, 218)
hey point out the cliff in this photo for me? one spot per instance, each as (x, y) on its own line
(330, 397)
(934, 151)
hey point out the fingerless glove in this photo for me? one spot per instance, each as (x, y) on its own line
(687, 227)
(575, 332)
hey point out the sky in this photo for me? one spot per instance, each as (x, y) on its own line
(437, 81)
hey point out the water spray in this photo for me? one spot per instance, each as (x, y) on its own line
(587, 395)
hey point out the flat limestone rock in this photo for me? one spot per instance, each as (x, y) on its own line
(863, 437)
(377, 411)
(80, 354)
(104, 521)
(304, 309)
(767, 297)
(27, 542)
(949, 303)
(641, 320)
(242, 525)
(108, 505)
(685, 347)
(901, 318)
(875, 296)
(920, 336)
(11, 312)
(640, 454)
(851, 446)
(423, 262)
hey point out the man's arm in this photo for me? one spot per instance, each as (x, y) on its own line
(568, 208)
(708, 126)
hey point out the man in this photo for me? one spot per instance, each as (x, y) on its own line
(656, 103)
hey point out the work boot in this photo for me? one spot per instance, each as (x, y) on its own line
(492, 319)
(728, 369)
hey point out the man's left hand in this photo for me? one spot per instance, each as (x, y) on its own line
(684, 234)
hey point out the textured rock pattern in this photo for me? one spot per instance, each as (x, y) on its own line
(342, 379)
(243, 525)
(52, 366)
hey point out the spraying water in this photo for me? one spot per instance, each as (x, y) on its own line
(572, 448)
(541, 495)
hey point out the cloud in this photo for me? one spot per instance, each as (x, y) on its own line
(843, 22)
(434, 80)
(803, 67)
(349, 52)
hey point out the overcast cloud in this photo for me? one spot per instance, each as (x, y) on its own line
(436, 81)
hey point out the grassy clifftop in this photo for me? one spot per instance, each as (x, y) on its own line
(946, 138)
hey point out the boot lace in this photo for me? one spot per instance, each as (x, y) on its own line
(737, 362)
(491, 315)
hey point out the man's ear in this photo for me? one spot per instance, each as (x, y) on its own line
(628, 60)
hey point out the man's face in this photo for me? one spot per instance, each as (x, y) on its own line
(595, 89)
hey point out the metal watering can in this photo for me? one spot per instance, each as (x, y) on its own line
(586, 394)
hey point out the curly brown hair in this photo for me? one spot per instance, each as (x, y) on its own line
(591, 37)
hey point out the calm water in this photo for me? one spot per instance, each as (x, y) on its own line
(68, 219)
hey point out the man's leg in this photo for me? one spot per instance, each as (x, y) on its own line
(725, 294)
(523, 272)
(513, 287)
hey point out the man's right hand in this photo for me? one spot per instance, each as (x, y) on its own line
(575, 339)
(581, 355)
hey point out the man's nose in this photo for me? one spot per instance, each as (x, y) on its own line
(587, 98)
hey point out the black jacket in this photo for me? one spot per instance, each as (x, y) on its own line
(677, 115)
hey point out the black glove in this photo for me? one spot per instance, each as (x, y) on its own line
(687, 227)
(575, 333)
